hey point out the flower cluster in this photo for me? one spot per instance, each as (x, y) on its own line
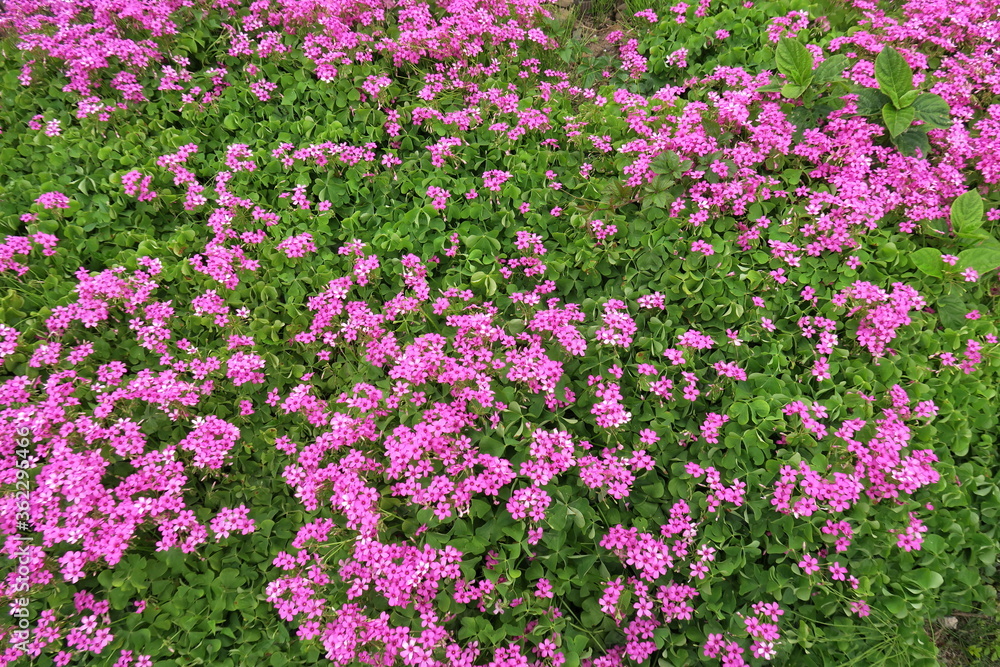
(135, 184)
(618, 327)
(297, 246)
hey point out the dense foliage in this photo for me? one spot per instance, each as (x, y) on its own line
(400, 333)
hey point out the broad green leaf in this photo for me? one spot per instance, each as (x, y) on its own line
(870, 101)
(951, 310)
(897, 120)
(983, 259)
(894, 76)
(925, 578)
(770, 88)
(928, 260)
(912, 141)
(967, 212)
(792, 91)
(907, 99)
(794, 61)
(933, 110)
(830, 69)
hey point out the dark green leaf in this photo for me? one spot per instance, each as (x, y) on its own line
(933, 110)
(894, 76)
(830, 69)
(951, 310)
(912, 141)
(794, 61)
(870, 101)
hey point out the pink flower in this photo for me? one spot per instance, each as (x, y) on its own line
(704, 247)
(648, 436)
(297, 246)
(699, 570)
(234, 519)
(211, 440)
(656, 300)
(439, 197)
(714, 645)
(763, 650)
(53, 200)
(809, 564)
(492, 180)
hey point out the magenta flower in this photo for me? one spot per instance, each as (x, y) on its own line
(53, 200)
(861, 608)
(297, 246)
(492, 180)
(809, 564)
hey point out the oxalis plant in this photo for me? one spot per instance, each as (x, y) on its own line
(379, 334)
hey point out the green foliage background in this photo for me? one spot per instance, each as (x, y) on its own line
(209, 608)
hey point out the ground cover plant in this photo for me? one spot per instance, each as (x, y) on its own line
(405, 333)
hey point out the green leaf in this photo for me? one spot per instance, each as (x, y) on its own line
(557, 517)
(928, 260)
(894, 76)
(897, 120)
(895, 605)
(983, 259)
(770, 88)
(925, 578)
(907, 99)
(913, 139)
(933, 111)
(794, 61)
(870, 101)
(951, 310)
(230, 578)
(830, 69)
(792, 91)
(967, 212)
